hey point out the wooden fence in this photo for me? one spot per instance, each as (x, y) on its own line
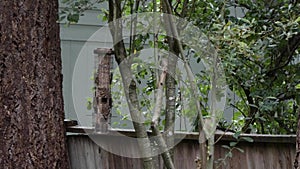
(266, 152)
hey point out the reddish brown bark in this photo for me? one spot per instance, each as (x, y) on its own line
(32, 134)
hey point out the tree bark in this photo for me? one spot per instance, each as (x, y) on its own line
(130, 86)
(202, 160)
(31, 104)
(170, 96)
(166, 155)
(170, 81)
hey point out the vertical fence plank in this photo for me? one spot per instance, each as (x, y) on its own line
(84, 153)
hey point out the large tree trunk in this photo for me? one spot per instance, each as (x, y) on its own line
(32, 133)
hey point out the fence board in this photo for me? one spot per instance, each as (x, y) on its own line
(85, 154)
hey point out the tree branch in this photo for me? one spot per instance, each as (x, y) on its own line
(156, 115)
(115, 26)
(286, 54)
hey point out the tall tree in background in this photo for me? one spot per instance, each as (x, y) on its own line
(31, 103)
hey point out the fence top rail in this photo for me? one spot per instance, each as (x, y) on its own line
(73, 128)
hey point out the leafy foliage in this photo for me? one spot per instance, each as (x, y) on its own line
(259, 53)
(258, 50)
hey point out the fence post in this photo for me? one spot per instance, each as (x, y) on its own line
(102, 98)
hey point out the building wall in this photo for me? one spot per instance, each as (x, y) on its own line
(77, 56)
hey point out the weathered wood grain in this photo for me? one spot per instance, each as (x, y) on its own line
(84, 153)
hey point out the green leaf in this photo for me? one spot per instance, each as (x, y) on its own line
(240, 150)
(89, 106)
(125, 117)
(232, 144)
(73, 18)
(89, 103)
(248, 139)
(151, 43)
(116, 123)
(243, 45)
(298, 19)
(229, 154)
(297, 86)
(262, 119)
(271, 97)
(237, 134)
(245, 20)
(226, 147)
(62, 18)
(253, 105)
